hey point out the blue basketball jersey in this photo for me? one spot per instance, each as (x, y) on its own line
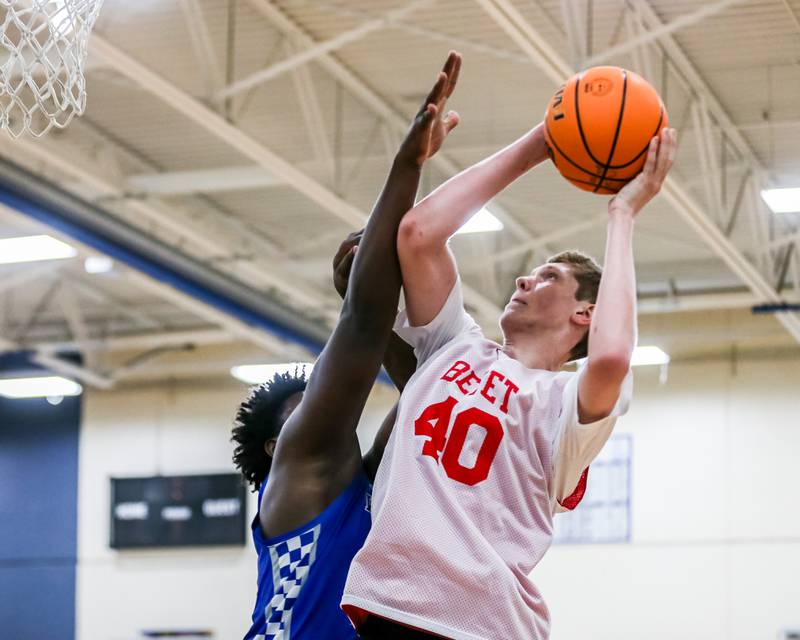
(301, 574)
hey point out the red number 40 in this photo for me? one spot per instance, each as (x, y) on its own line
(432, 424)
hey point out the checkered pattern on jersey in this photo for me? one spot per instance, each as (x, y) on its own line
(291, 562)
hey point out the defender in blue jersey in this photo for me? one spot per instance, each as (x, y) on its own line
(296, 439)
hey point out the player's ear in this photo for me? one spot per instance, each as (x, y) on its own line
(582, 315)
(269, 446)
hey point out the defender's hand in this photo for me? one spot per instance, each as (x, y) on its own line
(343, 261)
(430, 127)
(639, 191)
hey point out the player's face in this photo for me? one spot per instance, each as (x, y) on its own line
(545, 297)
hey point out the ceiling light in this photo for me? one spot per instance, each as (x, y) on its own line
(258, 373)
(648, 355)
(782, 200)
(33, 248)
(39, 387)
(98, 264)
(484, 220)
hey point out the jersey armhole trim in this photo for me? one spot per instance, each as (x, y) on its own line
(574, 498)
(347, 494)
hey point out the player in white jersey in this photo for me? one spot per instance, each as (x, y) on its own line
(492, 439)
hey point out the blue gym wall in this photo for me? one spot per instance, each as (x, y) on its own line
(38, 518)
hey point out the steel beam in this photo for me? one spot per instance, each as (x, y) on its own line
(318, 49)
(141, 341)
(60, 365)
(202, 45)
(25, 274)
(68, 302)
(175, 183)
(695, 302)
(312, 116)
(647, 37)
(225, 131)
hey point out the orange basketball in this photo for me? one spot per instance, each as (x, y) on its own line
(598, 127)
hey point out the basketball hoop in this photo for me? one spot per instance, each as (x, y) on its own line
(42, 56)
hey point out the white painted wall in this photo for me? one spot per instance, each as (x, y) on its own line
(716, 514)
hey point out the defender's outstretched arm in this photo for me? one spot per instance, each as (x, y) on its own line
(317, 454)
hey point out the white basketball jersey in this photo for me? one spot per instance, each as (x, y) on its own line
(483, 453)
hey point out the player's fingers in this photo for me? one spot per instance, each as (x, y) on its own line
(673, 149)
(340, 254)
(343, 270)
(352, 240)
(450, 63)
(652, 156)
(451, 120)
(429, 115)
(665, 153)
(437, 92)
(453, 75)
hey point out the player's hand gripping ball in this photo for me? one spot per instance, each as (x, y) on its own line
(598, 127)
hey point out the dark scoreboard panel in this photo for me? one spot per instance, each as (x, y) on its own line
(177, 511)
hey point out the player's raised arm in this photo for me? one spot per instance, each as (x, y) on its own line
(429, 269)
(398, 360)
(318, 453)
(612, 335)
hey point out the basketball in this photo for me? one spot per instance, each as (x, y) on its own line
(598, 127)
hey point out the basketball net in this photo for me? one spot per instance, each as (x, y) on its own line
(42, 57)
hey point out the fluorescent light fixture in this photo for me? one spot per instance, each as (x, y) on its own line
(258, 373)
(39, 387)
(484, 220)
(782, 200)
(98, 264)
(648, 355)
(33, 248)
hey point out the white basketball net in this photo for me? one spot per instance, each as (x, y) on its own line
(42, 55)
